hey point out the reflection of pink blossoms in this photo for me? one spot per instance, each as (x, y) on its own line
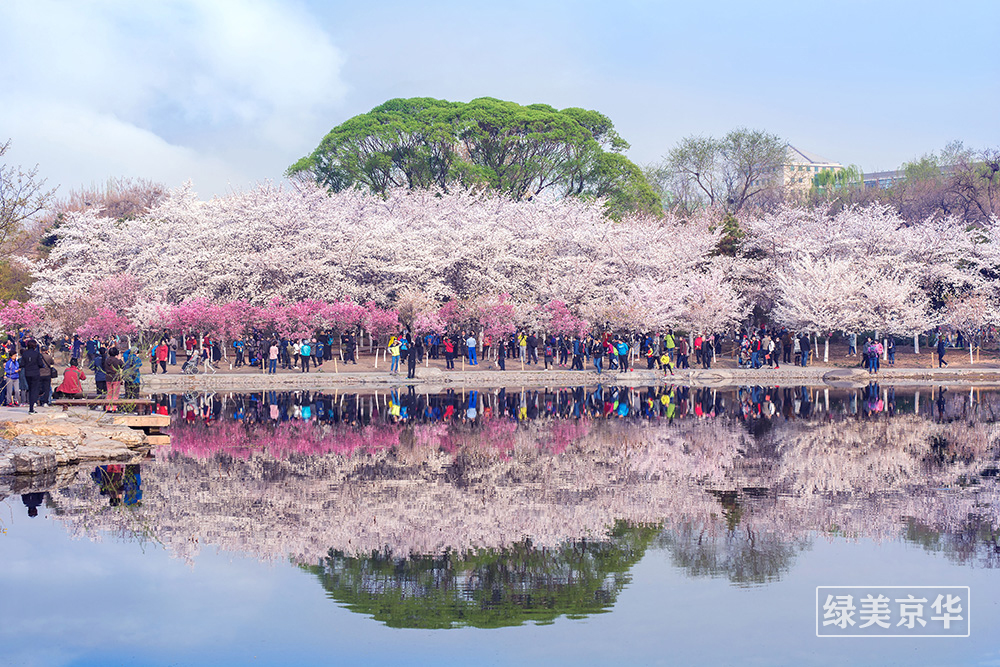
(563, 433)
(280, 440)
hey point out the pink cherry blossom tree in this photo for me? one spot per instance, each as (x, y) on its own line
(198, 316)
(561, 321)
(428, 322)
(107, 324)
(499, 316)
(17, 315)
(378, 322)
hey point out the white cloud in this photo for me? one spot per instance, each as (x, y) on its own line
(76, 145)
(214, 90)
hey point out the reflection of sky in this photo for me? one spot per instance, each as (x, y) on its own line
(65, 601)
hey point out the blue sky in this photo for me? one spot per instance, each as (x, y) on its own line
(230, 92)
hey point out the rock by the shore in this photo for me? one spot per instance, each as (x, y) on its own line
(40, 443)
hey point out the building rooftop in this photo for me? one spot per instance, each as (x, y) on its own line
(799, 156)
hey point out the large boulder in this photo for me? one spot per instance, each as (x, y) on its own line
(28, 460)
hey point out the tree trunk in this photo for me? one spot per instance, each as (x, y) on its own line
(826, 350)
(916, 343)
(885, 349)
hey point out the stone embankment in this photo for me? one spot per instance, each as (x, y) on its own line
(40, 443)
(436, 378)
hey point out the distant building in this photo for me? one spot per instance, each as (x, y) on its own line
(887, 179)
(884, 179)
(801, 167)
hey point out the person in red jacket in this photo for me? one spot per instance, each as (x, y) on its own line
(449, 352)
(71, 385)
(162, 352)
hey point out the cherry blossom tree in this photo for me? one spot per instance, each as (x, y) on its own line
(560, 320)
(378, 322)
(712, 303)
(971, 313)
(344, 315)
(892, 302)
(149, 318)
(499, 316)
(455, 314)
(319, 255)
(428, 322)
(119, 292)
(17, 315)
(820, 296)
(107, 324)
(198, 316)
(240, 318)
(297, 244)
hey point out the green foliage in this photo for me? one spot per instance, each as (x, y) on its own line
(926, 168)
(489, 588)
(729, 244)
(14, 281)
(518, 151)
(829, 180)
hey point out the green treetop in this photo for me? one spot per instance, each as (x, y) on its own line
(489, 588)
(518, 151)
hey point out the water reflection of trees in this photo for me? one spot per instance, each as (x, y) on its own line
(974, 541)
(487, 588)
(742, 554)
(761, 469)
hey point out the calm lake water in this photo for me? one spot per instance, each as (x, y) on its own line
(580, 525)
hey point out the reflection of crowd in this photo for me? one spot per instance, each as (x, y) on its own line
(405, 405)
(768, 403)
(472, 407)
(122, 484)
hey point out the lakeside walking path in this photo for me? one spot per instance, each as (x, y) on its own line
(436, 377)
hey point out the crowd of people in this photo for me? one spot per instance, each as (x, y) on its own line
(30, 367)
(662, 351)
